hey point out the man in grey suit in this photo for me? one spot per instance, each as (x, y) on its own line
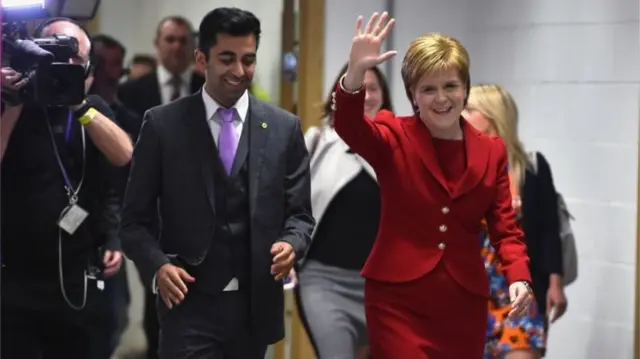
(229, 175)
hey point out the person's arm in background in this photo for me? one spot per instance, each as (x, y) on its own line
(95, 115)
(551, 242)
(112, 249)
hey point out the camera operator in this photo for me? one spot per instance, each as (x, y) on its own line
(59, 214)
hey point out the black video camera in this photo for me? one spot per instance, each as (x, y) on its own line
(53, 80)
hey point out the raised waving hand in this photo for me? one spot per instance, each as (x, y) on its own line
(366, 48)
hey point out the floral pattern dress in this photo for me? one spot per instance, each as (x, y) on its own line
(504, 334)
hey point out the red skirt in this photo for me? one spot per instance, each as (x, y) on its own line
(432, 317)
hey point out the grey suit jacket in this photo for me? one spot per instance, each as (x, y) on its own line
(173, 167)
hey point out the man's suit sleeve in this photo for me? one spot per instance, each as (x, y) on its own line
(139, 217)
(299, 221)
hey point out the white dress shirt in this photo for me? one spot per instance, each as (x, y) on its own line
(166, 86)
(215, 123)
(213, 117)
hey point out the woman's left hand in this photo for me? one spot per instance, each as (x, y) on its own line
(521, 296)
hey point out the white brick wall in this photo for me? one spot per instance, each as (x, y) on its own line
(340, 17)
(574, 68)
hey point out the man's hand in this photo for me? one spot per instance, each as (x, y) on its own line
(11, 79)
(112, 261)
(171, 284)
(11, 82)
(283, 259)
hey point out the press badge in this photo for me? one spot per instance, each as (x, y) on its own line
(72, 219)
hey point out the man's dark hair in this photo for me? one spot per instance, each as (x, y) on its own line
(229, 21)
(143, 59)
(108, 42)
(178, 20)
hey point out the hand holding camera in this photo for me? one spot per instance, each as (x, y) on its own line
(12, 82)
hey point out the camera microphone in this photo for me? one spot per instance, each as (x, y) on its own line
(35, 53)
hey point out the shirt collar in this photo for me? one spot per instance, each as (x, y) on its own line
(165, 77)
(211, 106)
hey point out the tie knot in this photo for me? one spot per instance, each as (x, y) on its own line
(176, 81)
(226, 114)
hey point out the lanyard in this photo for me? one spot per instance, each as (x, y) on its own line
(72, 192)
(67, 134)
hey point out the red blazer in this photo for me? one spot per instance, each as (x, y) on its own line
(423, 221)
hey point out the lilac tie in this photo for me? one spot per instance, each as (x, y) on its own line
(228, 139)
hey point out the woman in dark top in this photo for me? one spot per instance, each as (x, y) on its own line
(346, 205)
(492, 110)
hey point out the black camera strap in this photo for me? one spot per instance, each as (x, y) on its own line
(72, 194)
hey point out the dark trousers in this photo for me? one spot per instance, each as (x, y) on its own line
(36, 322)
(111, 315)
(206, 326)
(31, 331)
(34, 334)
(150, 323)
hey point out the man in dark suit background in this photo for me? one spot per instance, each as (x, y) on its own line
(174, 76)
(231, 176)
(108, 61)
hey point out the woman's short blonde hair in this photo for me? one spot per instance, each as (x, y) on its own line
(498, 106)
(432, 53)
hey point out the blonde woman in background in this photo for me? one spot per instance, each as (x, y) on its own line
(492, 110)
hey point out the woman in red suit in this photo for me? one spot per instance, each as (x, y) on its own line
(426, 288)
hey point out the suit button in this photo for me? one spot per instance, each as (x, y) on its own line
(442, 246)
(445, 210)
(443, 228)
